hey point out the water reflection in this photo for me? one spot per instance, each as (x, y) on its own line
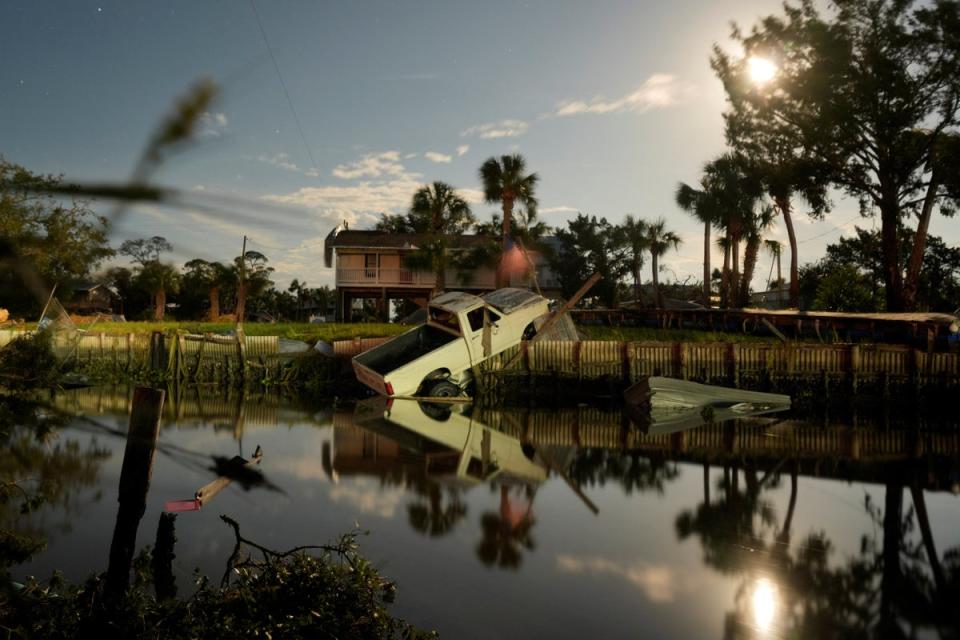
(744, 517)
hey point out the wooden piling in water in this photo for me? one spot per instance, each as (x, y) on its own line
(135, 473)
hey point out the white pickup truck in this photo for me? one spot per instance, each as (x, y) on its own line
(462, 330)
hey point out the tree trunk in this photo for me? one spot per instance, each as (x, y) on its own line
(656, 281)
(636, 282)
(706, 264)
(503, 278)
(892, 574)
(784, 205)
(749, 265)
(735, 258)
(890, 248)
(919, 246)
(159, 304)
(725, 276)
(920, 507)
(214, 295)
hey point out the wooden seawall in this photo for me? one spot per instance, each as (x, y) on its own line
(749, 365)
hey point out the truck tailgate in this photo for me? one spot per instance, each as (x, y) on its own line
(371, 378)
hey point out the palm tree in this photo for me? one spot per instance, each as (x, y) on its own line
(507, 533)
(702, 206)
(633, 235)
(439, 211)
(158, 279)
(755, 225)
(432, 517)
(212, 275)
(659, 239)
(505, 181)
(775, 249)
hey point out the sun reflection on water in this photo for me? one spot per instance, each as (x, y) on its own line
(764, 604)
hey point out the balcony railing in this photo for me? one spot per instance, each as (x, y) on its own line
(482, 278)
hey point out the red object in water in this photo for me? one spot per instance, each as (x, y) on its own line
(177, 506)
(389, 388)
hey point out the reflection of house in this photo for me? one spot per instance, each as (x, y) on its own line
(91, 297)
(370, 265)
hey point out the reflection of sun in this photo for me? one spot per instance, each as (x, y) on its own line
(761, 70)
(764, 604)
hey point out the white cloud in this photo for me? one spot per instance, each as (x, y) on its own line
(659, 583)
(658, 91)
(283, 161)
(503, 129)
(212, 125)
(367, 496)
(462, 149)
(440, 158)
(560, 209)
(372, 165)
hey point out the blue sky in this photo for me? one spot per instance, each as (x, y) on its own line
(611, 102)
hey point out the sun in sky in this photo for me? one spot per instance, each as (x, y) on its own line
(761, 70)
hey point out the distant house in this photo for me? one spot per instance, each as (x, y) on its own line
(370, 265)
(91, 298)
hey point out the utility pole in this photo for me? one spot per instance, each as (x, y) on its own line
(242, 291)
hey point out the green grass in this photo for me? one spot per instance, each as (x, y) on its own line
(294, 330)
(346, 331)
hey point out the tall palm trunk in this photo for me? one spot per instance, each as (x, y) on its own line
(706, 264)
(636, 282)
(784, 205)
(656, 281)
(503, 278)
(725, 276)
(241, 301)
(159, 304)
(749, 265)
(735, 258)
(214, 295)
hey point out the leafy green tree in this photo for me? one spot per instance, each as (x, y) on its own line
(145, 250)
(505, 181)
(589, 245)
(869, 95)
(659, 240)
(632, 235)
(844, 288)
(59, 242)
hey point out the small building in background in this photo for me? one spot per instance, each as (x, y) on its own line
(370, 265)
(91, 298)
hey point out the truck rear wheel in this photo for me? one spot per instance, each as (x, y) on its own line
(443, 389)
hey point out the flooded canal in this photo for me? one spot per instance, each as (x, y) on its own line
(522, 523)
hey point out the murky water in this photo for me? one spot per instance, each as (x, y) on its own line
(542, 524)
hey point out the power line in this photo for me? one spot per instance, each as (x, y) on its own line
(826, 233)
(283, 84)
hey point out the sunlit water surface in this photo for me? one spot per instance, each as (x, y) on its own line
(675, 539)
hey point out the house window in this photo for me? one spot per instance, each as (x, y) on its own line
(370, 265)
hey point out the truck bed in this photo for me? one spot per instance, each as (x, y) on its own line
(404, 348)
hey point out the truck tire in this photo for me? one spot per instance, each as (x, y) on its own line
(443, 389)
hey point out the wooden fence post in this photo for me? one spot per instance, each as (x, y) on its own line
(854, 365)
(735, 364)
(135, 475)
(158, 352)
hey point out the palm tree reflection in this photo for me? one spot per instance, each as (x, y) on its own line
(507, 533)
(432, 517)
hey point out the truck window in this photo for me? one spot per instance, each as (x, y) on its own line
(475, 318)
(445, 318)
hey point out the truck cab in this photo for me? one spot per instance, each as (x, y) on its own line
(462, 330)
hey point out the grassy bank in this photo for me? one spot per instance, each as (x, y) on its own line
(294, 330)
(346, 331)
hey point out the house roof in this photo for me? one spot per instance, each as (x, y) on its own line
(369, 239)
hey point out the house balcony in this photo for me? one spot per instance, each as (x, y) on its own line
(482, 279)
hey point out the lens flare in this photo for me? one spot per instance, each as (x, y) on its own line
(761, 70)
(764, 603)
